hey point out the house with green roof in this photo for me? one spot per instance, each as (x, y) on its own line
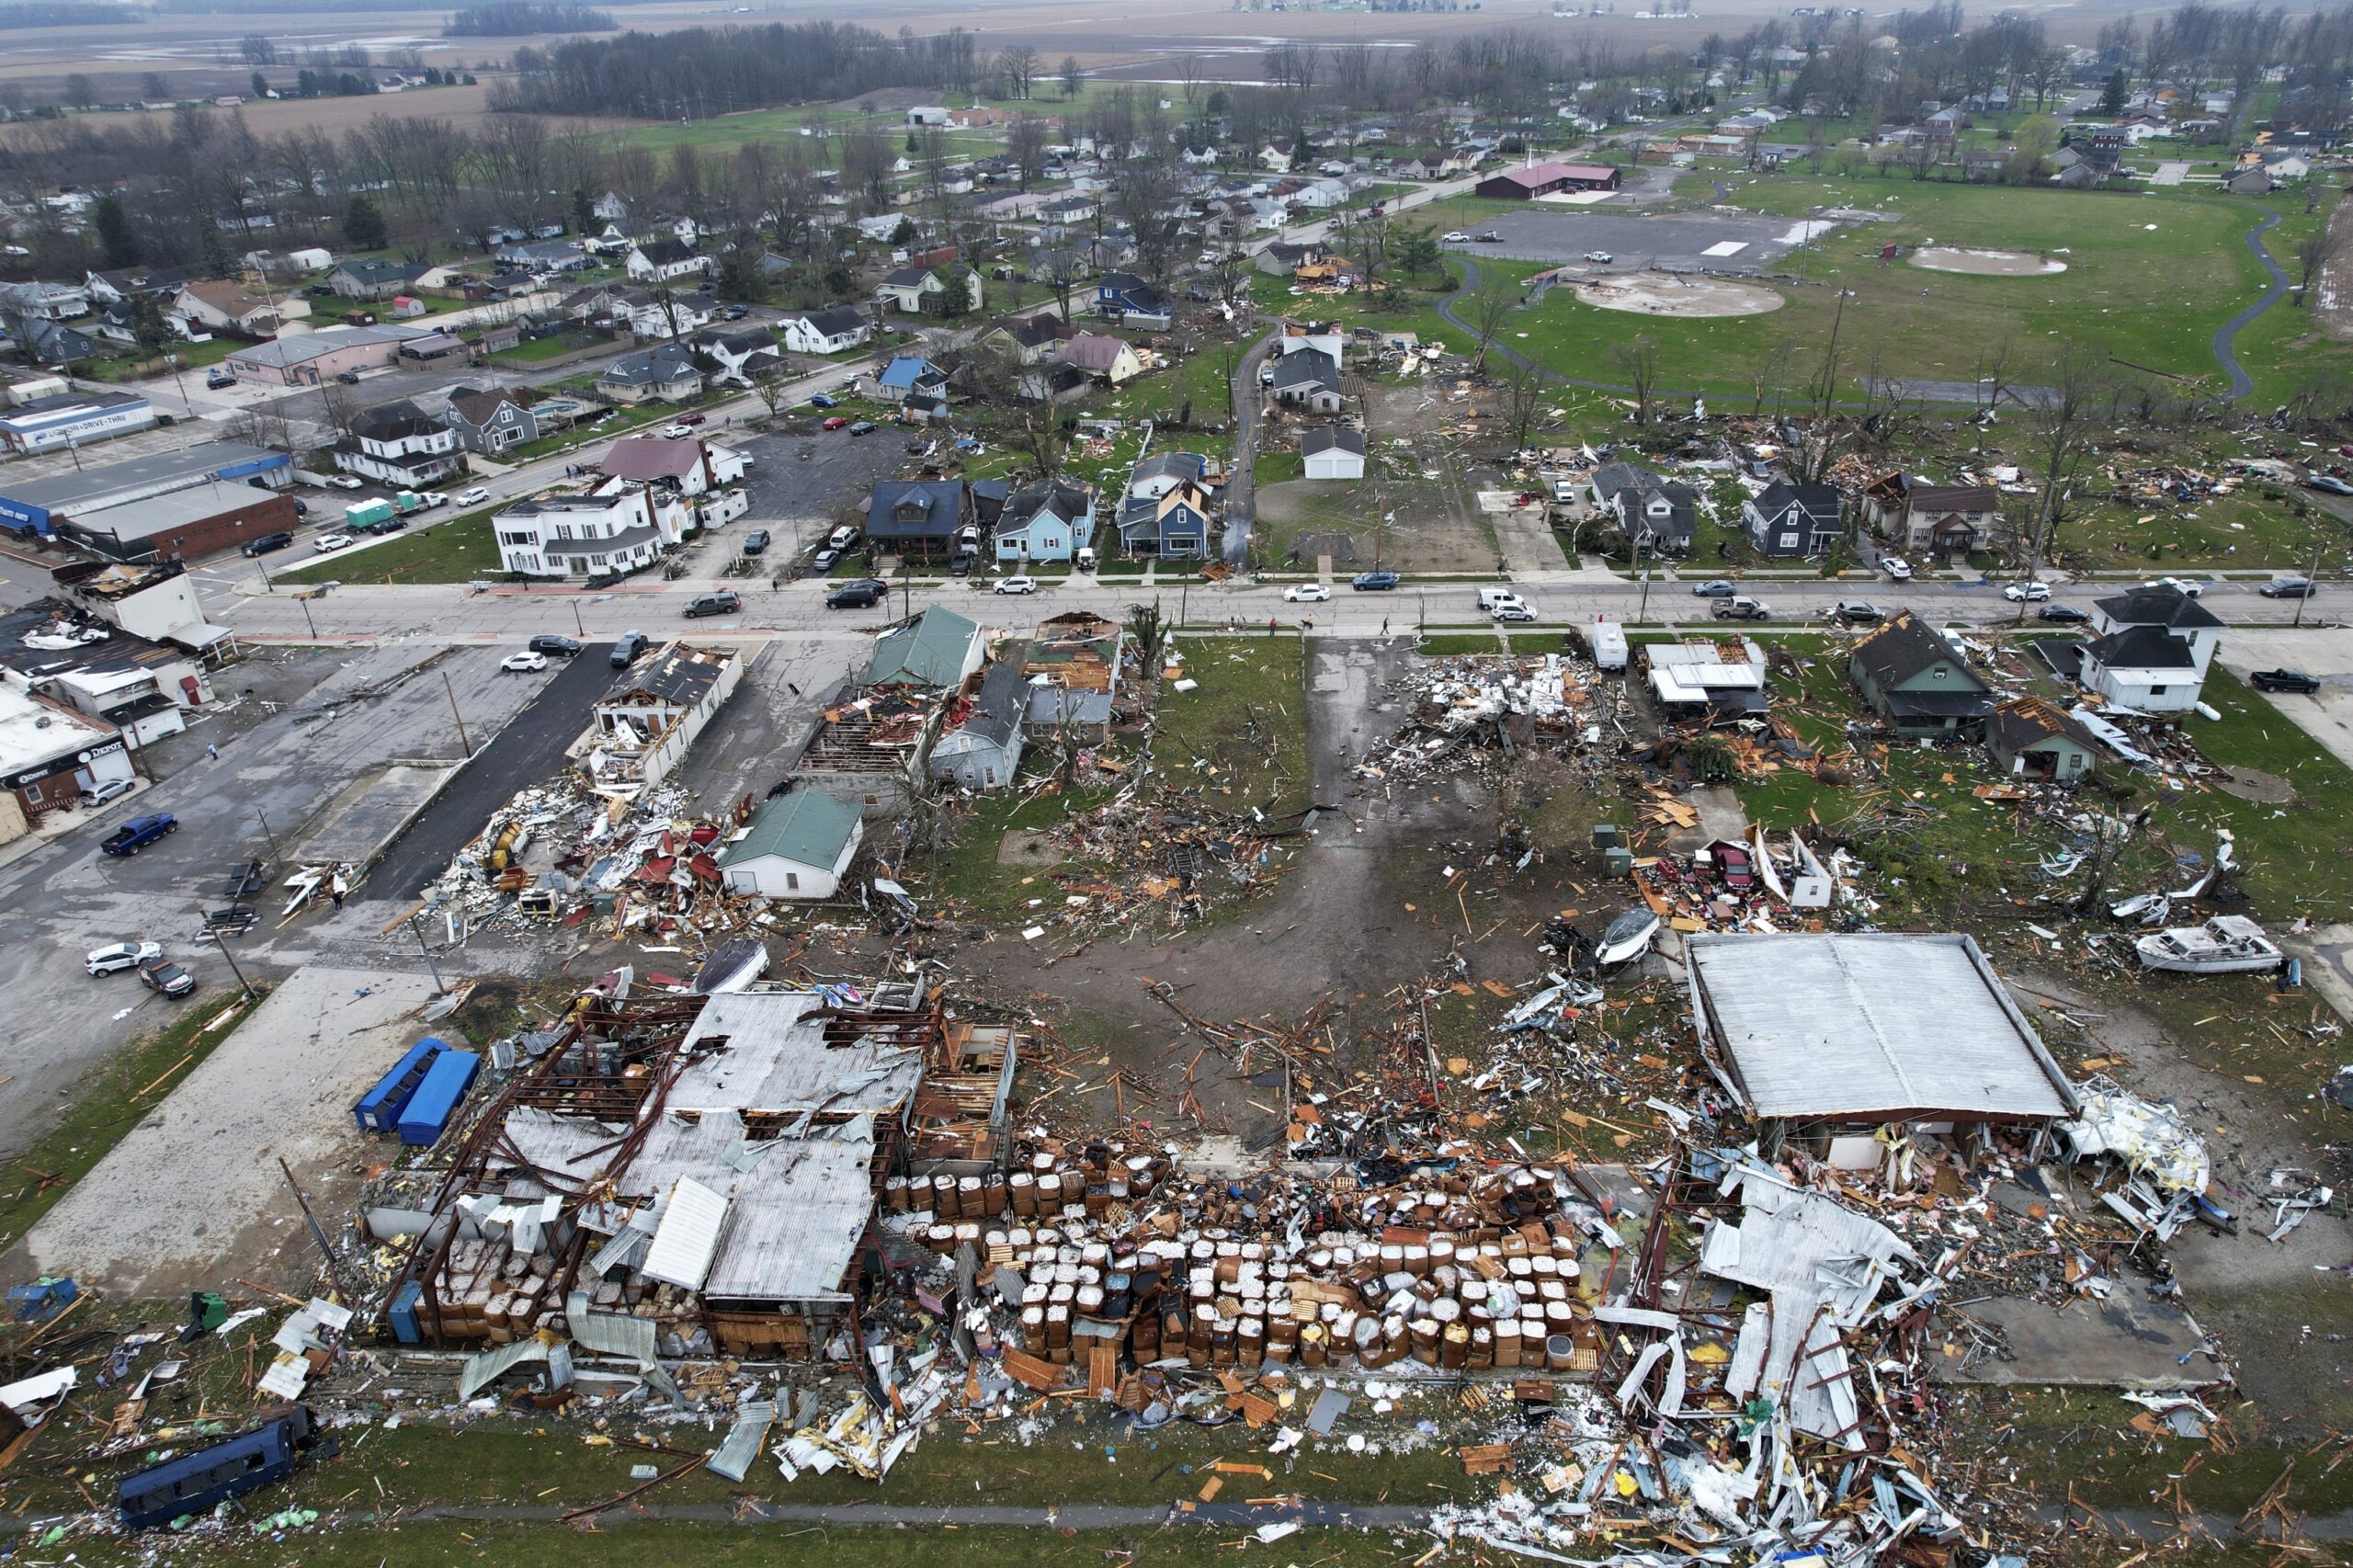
(798, 846)
(935, 650)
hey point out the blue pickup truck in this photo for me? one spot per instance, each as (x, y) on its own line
(139, 832)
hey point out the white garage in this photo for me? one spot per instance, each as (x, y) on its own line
(1332, 452)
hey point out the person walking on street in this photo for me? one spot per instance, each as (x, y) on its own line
(212, 751)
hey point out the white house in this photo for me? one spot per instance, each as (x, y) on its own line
(833, 330)
(798, 846)
(665, 260)
(742, 355)
(1332, 452)
(400, 444)
(1107, 359)
(2154, 647)
(621, 526)
(984, 752)
(1324, 337)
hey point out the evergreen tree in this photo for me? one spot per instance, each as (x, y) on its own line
(363, 225)
(113, 224)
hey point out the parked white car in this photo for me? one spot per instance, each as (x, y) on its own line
(523, 664)
(1306, 593)
(344, 482)
(1017, 586)
(2189, 589)
(1896, 567)
(673, 432)
(473, 497)
(327, 542)
(121, 956)
(1455, 237)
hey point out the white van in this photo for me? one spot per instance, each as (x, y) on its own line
(1492, 599)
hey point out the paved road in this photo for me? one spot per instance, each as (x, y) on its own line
(527, 750)
(2226, 337)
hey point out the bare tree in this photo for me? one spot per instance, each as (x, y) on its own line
(1528, 391)
(2058, 442)
(1025, 141)
(2313, 253)
(1018, 66)
(1490, 301)
(1636, 362)
(773, 387)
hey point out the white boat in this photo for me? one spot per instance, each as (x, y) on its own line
(2228, 944)
(1629, 937)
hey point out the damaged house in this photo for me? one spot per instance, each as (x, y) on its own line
(871, 747)
(1828, 1038)
(696, 1176)
(652, 713)
(1917, 681)
(798, 846)
(2152, 650)
(1072, 670)
(1715, 678)
(980, 742)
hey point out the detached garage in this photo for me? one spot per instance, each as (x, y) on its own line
(1544, 179)
(1333, 453)
(798, 846)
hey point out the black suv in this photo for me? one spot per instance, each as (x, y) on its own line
(268, 542)
(858, 595)
(757, 542)
(562, 647)
(2284, 680)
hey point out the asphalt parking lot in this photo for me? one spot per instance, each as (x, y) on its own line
(1740, 242)
(800, 500)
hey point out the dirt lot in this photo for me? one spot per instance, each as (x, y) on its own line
(1983, 262)
(1439, 525)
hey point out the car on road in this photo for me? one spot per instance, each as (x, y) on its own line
(1512, 611)
(2189, 587)
(326, 543)
(2289, 588)
(757, 542)
(1858, 612)
(2025, 592)
(626, 651)
(121, 956)
(691, 420)
(1455, 237)
(549, 643)
(474, 497)
(672, 432)
(863, 428)
(1374, 582)
(523, 664)
(838, 422)
(1016, 586)
(860, 595)
(822, 401)
(432, 499)
(1306, 593)
(2284, 679)
(1488, 237)
(1602, 256)
(344, 481)
(723, 602)
(1740, 606)
(1895, 566)
(165, 978)
(2062, 615)
(824, 560)
(106, 790)
(138, 833)
(2329, 483)
(391, 525)
(1715, 588)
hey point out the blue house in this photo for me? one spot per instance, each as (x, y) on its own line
(1175, 525)
(910, 375)
(1048, 521)
(1122, 294)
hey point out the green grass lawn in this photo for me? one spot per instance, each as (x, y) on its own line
(541, 349)
(114, 1097)
(456, 552)
(2150, 296)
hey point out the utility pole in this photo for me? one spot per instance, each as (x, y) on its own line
(2312, 579)
(304, 600)
(221, 937)
(460, 718)
(439, 988)
(576, 624)
(1643, 613)
(267, 835)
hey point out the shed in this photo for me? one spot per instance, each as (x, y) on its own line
(1823, 1034)
(2032, 739)
(797, 845)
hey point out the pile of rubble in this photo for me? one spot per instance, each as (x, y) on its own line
(1483, 711)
